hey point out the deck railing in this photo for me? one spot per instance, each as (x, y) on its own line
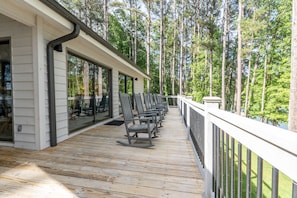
(238, 156)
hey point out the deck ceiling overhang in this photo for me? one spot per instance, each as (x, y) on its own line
(26, 12)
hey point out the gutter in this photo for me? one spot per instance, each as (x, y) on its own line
(51, 46)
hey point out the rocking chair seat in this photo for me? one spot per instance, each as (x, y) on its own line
(141, 127)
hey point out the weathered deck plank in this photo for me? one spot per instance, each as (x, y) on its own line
(92, 164)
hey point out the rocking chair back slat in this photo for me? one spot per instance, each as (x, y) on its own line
(126, 107)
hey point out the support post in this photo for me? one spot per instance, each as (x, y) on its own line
(209, 102)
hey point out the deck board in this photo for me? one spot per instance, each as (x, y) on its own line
(92, 164)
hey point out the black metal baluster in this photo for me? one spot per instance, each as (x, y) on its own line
(239, 171)
(248, 173)
(227, 167)
(232, 168)
(274, 183)
(259, 177)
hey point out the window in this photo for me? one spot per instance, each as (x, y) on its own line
(88, 93)
(126, 85)
(6, 133)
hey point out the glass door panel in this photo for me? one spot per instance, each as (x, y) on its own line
(88, 93)
(5, 92)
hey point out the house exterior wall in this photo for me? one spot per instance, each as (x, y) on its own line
(22, 81)
(29, 74)
(139, 85)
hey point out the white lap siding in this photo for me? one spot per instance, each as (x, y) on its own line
(61, 95)
(22, 81)
(139, 85)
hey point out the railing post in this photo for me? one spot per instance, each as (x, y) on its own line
(180, 105)
(210, 102)
(188, 117)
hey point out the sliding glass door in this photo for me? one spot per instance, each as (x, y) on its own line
(88, 93)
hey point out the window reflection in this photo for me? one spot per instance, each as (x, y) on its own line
(126, 86)
(6, 133)
(88, 93)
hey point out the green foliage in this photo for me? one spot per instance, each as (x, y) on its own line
(117, 36)
(266, 34)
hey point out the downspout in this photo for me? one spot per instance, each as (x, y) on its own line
(51, 46)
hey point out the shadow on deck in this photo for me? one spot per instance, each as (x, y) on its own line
(92, 164)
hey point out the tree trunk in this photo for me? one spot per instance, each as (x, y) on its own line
(185, 62)
(247, 88)
(253, 81)
(239, 69)
(205, 67)
(210, 72)
(105, 36)
(224, 53)
(181, 51)
(148, 42)
(264, 88)
(131, 31)
(135, 34)
(161, 48)
(293, 87)
(173, 52)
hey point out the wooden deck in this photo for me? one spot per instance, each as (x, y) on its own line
(92, 164)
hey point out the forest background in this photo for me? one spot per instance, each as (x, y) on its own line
(239, 50)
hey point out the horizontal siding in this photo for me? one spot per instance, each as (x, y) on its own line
(139, 85)
(23, 69)
(23, 111)
(29, 129)
(23, 103)
(22, 50)
(23, 86)
(24, 120)
(115, 92)
(25, 145)
(24, 94)
(22, 59)
(22, 77)
(25, 137)
(22, 41)
(61, 95)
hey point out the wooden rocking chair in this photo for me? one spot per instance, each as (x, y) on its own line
(154, 115)
(136, 126)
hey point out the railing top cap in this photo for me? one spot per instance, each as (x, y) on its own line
(212, 99)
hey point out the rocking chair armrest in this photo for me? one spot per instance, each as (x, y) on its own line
(155, 110)
(142, 119)
(148, 114)
(158, 111)
(145, 119)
